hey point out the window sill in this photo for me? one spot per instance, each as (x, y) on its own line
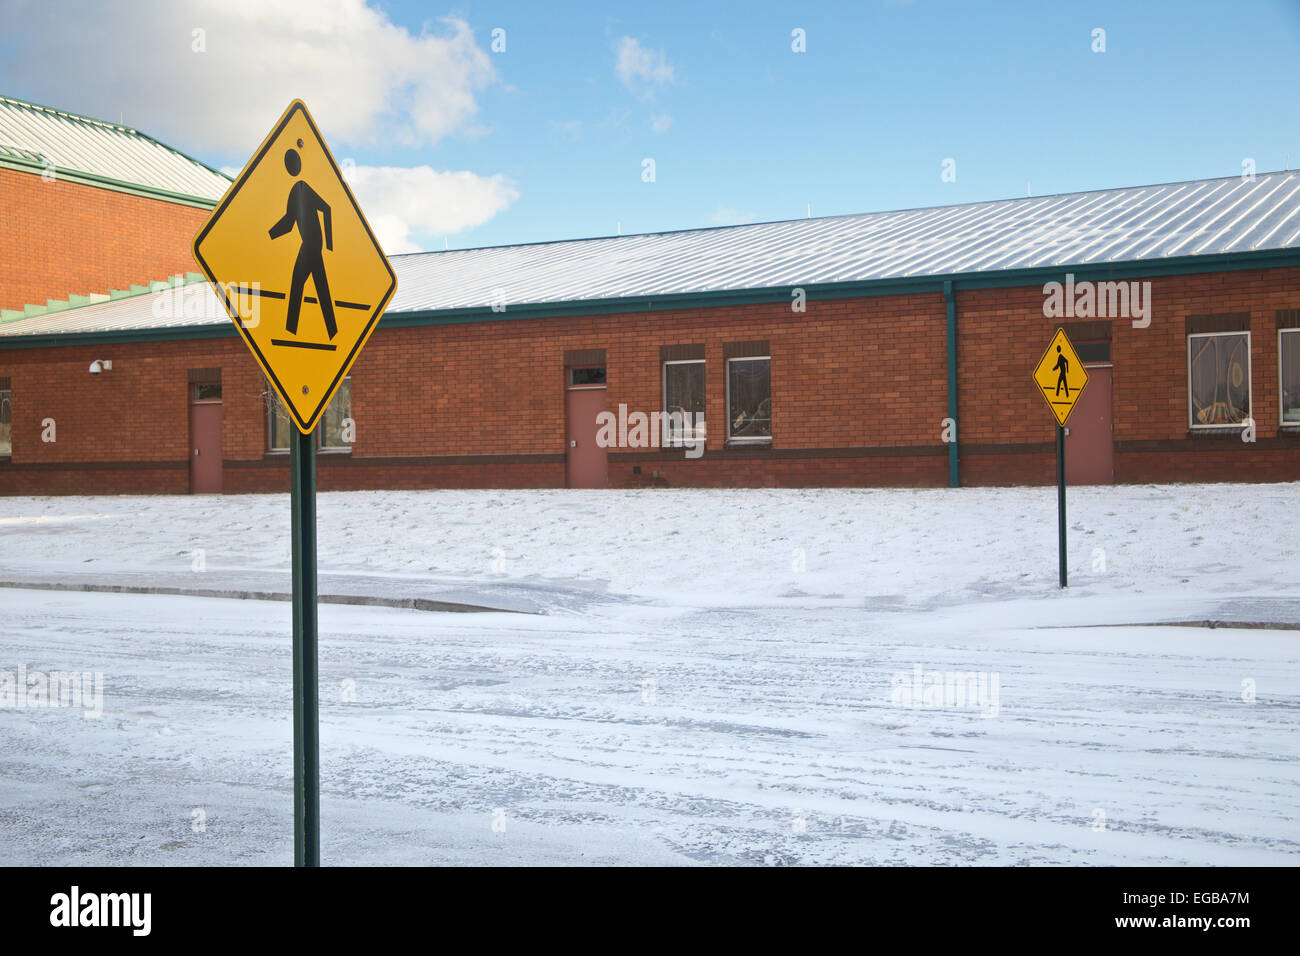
(1216, 431)
(748, 443)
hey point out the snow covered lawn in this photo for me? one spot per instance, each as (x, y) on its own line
(721, 677)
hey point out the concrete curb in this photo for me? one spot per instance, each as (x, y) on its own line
(412, 604)
(1211, 624)
(1243, 625)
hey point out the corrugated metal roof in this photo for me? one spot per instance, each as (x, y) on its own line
(1073, 230)
(37, 133)
(1140, 223)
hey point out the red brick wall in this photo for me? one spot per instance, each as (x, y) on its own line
(62, 238)
(1003, 333)
(858, 398)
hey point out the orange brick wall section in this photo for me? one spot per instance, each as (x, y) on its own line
(859, 394)
(62, 238)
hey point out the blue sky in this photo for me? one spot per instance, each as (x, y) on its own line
(740, 127)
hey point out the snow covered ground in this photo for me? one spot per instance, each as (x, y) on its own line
(718, 677)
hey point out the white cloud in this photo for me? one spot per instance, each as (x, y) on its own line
(404, 205)
(366, 80)
(661, 124)
(642, 70)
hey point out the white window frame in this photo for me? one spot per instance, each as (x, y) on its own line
(1281, 409)
(747, 439)
(1192, 423)
(689, 434)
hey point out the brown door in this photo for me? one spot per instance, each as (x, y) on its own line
(1090, 446)
(587, 466)
(205, 439)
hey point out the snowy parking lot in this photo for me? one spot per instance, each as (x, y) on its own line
(749, 676)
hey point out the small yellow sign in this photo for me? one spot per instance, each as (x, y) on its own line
(296, 265)
(1060, 376)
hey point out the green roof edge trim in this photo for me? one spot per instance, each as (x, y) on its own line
(80, 301)
(1182, 265)
(104, 182)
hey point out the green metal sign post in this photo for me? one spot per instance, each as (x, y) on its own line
(306, 698)
(1060, 376)
(1060, 497)
(236, 251)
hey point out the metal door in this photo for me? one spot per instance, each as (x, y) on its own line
(205, 439)
(587, 461)
(1090, 446)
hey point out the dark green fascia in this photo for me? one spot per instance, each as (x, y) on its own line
(104, 182)
(1183, 265)
(218, 330)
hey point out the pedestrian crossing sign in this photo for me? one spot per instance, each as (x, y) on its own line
(1060, 376)
(296, 266)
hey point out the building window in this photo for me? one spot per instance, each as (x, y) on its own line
(331, 427)
(205, 392)
(6, 422)
(1218, 375)
(329, 431)
(586, 377)
(749, 399)
(1093, 353)
(684, 399)
(1288, 349)
(280, 426)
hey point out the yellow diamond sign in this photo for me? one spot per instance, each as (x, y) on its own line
(295, 264)
(1060, 376)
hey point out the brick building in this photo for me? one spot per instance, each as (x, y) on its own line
(89, 211)
(88, 207)
(878, 349)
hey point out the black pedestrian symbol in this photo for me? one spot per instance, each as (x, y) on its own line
(1063, 364)
(304, 209)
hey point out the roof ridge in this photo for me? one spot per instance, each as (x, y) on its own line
(29, 104)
